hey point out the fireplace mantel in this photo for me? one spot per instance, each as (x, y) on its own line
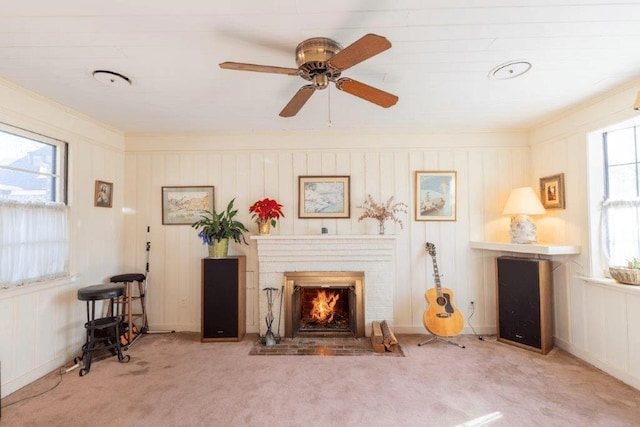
(324, 236)
(316, 241)
(372, 254)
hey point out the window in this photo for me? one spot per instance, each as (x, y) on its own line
(621, 163)
(31, 170)
(33, 212)
(621, 204)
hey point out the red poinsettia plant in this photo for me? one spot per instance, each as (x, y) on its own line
(266, 210)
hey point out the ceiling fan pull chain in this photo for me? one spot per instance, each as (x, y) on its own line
(330, 124)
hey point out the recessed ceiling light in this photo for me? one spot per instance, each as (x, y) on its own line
(111, 78)
(509, 70)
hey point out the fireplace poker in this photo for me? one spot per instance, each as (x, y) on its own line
(269, 338)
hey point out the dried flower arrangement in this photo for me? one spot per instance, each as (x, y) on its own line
(384, 212)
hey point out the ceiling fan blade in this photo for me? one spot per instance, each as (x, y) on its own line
(298, 101)
(259, 68)
(366, 92)
(364, 48)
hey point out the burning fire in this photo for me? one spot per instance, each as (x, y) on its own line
(323, 304)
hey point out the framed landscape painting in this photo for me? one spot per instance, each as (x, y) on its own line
(183, 205)
(435, 196)
(323, 196)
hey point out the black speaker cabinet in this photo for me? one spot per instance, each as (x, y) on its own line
(524, 303)
(223, 299)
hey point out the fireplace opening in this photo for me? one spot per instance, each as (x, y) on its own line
(323, 309)
(324, 304)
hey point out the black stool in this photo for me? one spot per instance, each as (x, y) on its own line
(102, 333)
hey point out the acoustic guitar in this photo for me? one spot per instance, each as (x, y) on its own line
(442, 318)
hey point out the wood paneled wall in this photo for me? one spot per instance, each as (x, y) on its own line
(42, 324)
(595, 319)
(244, 168)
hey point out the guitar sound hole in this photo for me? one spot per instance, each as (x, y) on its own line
(443, 301)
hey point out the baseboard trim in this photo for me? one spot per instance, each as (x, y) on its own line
(17, 383)
(590, 358)
(479, 330)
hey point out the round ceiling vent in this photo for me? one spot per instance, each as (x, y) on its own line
(509, 70)
(111, 78)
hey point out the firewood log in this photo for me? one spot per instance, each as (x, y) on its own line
(388, 338)
(377, 337)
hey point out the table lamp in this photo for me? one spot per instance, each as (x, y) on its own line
(523, 202)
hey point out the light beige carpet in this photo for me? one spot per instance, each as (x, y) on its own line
(174, 380)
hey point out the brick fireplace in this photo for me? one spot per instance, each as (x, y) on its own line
(371, 257)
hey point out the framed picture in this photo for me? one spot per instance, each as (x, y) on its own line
(552, 191)
(104, 194)
(435, 196)
(323, 197)
(184, 205)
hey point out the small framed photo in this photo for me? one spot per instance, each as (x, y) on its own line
(552, 191)
(184, 205)
(103, 197)
(435, 196)
(323, 197)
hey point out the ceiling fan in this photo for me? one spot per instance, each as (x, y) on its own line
(321, 60)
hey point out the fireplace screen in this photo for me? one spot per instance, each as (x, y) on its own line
(329, 304)
(324, 309)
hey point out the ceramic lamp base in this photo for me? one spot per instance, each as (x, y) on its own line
(523, 230)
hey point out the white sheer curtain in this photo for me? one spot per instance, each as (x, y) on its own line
(34, 243)
(620, 229)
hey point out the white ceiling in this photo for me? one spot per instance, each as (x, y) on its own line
(438, 65)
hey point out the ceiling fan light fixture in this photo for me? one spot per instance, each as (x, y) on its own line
(111, 78)
(509, 70)
(636, 106)
(320, 81)
(316, 49)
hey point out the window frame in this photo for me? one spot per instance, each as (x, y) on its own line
(61, 162)
(59, 177)
(607, 167)
(597, 192)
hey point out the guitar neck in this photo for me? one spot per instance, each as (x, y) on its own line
(431, 248)
(436, 276)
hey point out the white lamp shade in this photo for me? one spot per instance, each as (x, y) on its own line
(523, 201)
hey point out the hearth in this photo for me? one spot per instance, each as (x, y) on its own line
(324, 304)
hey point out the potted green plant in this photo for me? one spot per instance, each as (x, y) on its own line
(216, 228)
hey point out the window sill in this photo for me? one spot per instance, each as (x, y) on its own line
(607, 283)
(36, 287)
